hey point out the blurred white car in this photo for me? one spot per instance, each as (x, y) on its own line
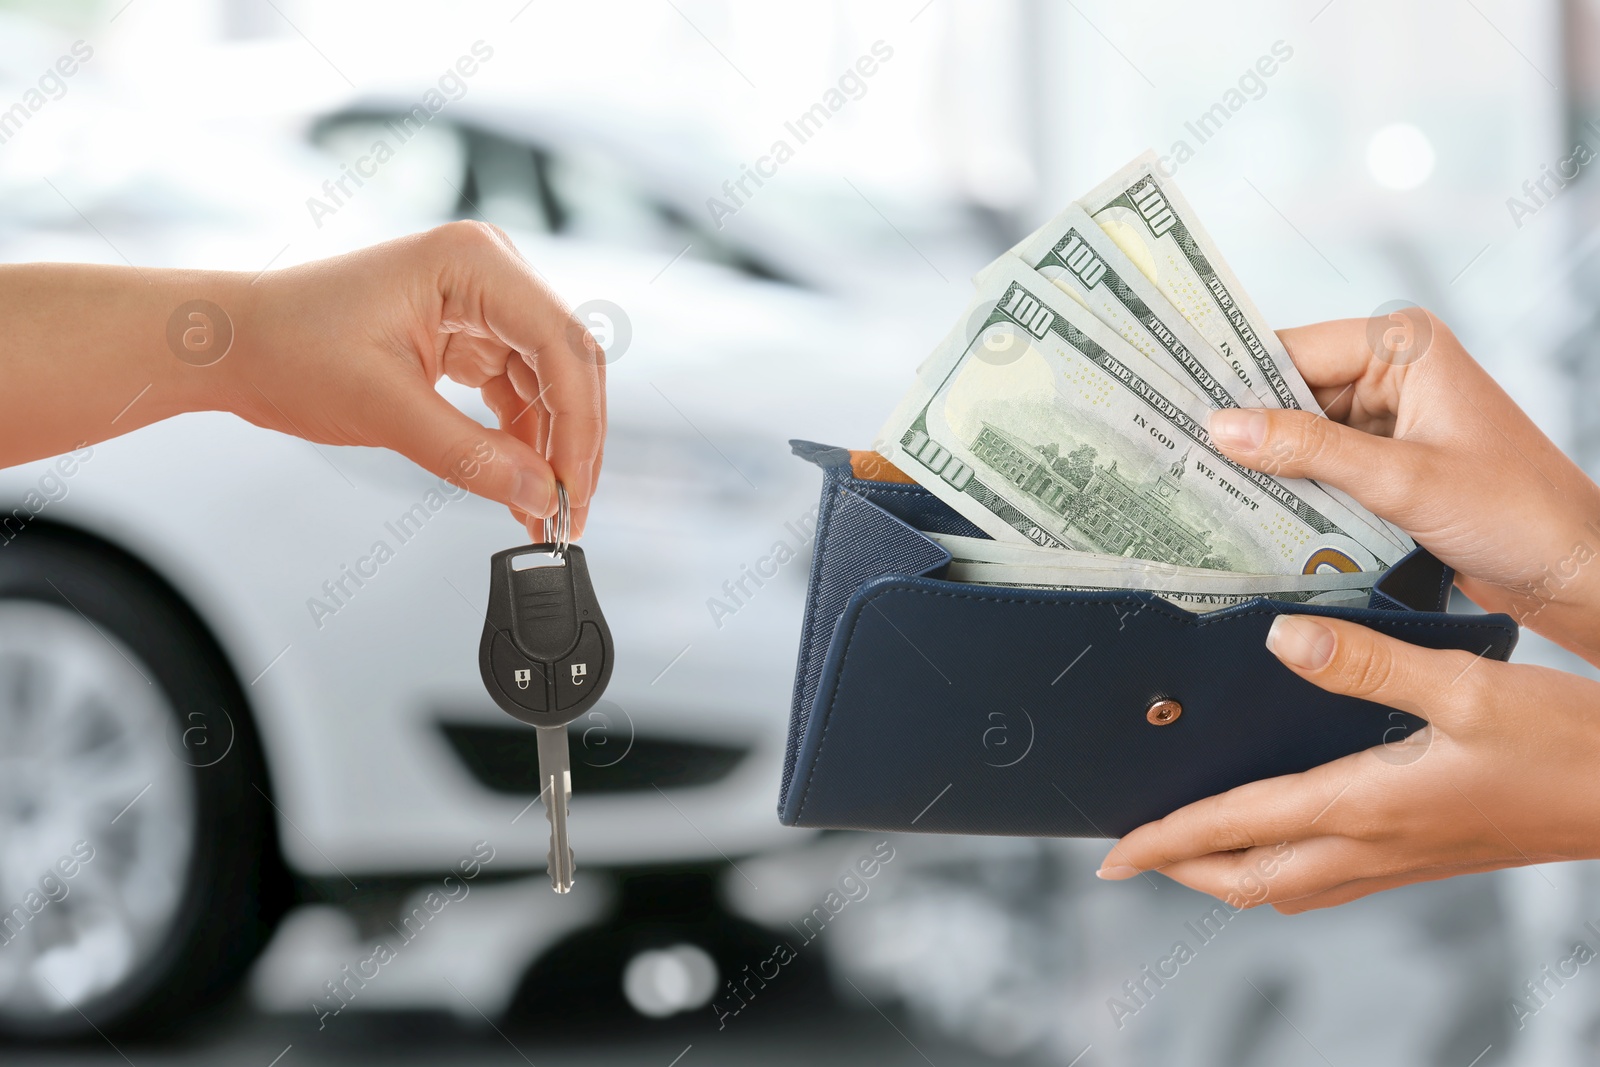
(205, 692)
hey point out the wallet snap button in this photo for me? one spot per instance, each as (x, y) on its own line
(1164, 712)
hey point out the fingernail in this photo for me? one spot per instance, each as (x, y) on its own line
(534, 493)
(1117, 873)
(1238, 427)
(1300, 641)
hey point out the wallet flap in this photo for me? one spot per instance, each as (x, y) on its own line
(912, 504)
(963, 709)
(879, 544)
(1418, 582)
(825, 456)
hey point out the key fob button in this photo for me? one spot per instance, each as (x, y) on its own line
(521, 679)
(580, 671)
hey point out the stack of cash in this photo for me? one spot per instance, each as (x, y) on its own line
(1065, 416)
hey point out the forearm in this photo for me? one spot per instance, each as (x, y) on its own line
(342, 351)
(86, 354)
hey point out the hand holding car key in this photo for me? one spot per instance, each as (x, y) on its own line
(545, 658)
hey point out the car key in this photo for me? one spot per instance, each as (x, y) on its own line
(545, 658)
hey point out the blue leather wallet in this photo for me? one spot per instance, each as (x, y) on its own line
(934, 706)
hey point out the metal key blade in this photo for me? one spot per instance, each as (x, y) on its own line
(555, 788)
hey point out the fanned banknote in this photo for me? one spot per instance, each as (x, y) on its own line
(1219, 589)
(988, 562)
(1046, 427)
(1144, 213)
(1083, 262)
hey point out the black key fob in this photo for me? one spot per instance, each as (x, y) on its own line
(545, 655)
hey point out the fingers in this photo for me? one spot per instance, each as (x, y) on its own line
(1357, 888)
(1282, 872)
(1260, 813)
(580, 512)
(1356, 367)
(430, 431)
(524, 381)
(1444, 686)
(524, 419)
(1343, 657)
(485, 280)
(1301, 876)
(1306, 875)
(1383, 474)
(1329, 354)
(514, 400)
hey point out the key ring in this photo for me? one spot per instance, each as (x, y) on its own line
(558, 528)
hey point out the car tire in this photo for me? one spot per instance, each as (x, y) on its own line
(128, 758)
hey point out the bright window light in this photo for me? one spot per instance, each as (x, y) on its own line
(1400, 156)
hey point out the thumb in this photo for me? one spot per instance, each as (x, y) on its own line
(1383, 474)
(437, 436)
(1346, 658)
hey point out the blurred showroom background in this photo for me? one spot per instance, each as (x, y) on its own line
(274, 790)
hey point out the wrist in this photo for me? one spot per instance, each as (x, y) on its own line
(1562, 600)
(96, 351)
(212, 335)
(1575, 627)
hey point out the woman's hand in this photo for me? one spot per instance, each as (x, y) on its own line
(343, 351)
(1502, 776)
(347, 351)
(1421, 435)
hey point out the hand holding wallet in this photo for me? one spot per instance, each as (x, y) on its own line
(922, 704)
(1057, 676)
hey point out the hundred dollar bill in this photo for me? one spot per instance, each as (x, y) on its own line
(1083, 262)
(988, 550)
(1120, 572)
(1333, 502)
(1144, 213)
(1047, 428)
(1202, 591)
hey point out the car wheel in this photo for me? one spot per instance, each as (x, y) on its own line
(139, 872)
